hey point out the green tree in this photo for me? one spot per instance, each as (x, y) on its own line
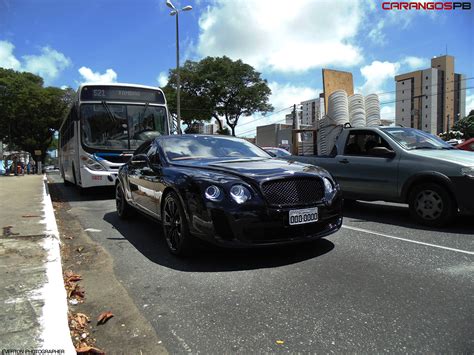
(29, 112)
(466, 125)
(219, 87)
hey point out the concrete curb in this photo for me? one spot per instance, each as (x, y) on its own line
(54, 322)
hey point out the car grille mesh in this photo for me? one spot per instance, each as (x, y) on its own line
(293, 192)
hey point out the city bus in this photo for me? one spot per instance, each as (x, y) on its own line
(105, 124)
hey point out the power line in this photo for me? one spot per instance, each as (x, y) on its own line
(421, 86)
(382, 103)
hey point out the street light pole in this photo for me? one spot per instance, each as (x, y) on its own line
(178, 79)
(176, 12)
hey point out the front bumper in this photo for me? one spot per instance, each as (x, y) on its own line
(463, 187)
(93, 178)
(262, 226)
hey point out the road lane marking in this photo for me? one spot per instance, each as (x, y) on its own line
(408, 240)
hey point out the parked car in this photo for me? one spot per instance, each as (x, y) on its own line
(404, 165)
(467, 145)
(227, 191)
(276, 152)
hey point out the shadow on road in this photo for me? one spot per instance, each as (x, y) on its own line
(399, 215)
(146, 236)
(74, 194)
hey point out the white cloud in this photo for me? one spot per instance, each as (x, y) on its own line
(387, 112)
(7, 59)
(416, 62)
(283, 97)
(49, 64)
(110, 76)
(469, 101)
(162, 79)
(376, 34)
(376, 75)
(270, 34)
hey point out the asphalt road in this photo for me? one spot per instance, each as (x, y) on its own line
(381, 284)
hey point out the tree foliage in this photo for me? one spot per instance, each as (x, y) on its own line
(218, 87)
(466, 125)
(29, 112)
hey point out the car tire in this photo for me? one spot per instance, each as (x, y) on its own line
(175, 226)
(431, 205)
(124, 210)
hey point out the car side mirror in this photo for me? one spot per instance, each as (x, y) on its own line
(139, 160)
(382, 152)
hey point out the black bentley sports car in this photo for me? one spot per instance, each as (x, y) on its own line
(227, 191)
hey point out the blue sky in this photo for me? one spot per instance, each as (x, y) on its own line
(69, 42)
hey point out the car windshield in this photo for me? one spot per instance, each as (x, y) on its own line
(279, 152)
(118, 126)
(205, 147)
(410, 138)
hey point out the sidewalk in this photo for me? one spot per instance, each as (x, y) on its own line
(33, 308)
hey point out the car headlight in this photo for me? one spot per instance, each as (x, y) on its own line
(240, 193)
(213, 193)
(91, 163)
(328, 188)
(468, 171)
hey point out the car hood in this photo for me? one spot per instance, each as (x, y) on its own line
(257, 169)
(456, 156)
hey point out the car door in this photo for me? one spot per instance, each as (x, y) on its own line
(151, 181)
(135, 171)
(364, 171)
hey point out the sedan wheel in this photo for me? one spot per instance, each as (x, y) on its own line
(431, 205)
(175, 227)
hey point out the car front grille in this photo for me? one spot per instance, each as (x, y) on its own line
(293, 191)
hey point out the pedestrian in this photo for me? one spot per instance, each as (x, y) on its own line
(28, 168)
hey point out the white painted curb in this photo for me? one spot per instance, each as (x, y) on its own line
(54, 323)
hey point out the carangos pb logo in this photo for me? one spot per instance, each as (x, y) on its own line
(431, 5)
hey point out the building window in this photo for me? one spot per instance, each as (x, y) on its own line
(403, 91)
(426, 87)
(426, 106)
(403, 110)
(403, 101)
(426, 97)
(403, 83)
(403, 119)
(426, 78)
(426, 116)
(426, 126)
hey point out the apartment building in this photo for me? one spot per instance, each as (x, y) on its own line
(431, 99)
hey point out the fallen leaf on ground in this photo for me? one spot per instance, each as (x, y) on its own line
(104, 317)
(89, 350)
(280, 342)
(82, 319)
(80, 249)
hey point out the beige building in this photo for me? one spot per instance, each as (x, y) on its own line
(431, 99)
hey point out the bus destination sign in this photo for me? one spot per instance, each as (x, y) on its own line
(118, 93)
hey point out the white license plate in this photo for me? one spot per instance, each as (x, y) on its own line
(307, 215)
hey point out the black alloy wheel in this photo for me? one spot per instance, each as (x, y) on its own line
(175, 228)
(432, 205)
(124, 210)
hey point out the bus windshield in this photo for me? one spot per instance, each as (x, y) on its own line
(119, 126)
